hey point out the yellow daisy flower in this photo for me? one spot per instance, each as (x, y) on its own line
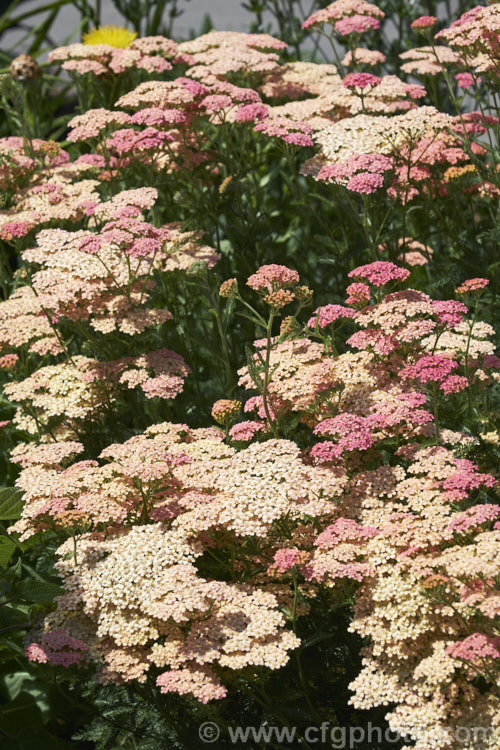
(115, 36)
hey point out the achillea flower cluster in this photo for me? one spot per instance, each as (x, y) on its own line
(376, 135)
(328, 314)
(347, 17)
(414, 253)
(424, 22)
(53, 201)
(293, 132)
(93, 122)
(191, 553)
(293, 80)
(429, 61)
(21, 162)
(151, 54)
(379, 273)
(55, 391)
(229, 288)
(389, 529)
(225, 409)
(361, 81)
(246, 431)
(361, 173)
(476, 649)
(86, 276)
(273, 277)
(363, 56)
(431, 368)
(475, 36)
(472, 285)
(218, 53)
(150, 620)
(57, 647)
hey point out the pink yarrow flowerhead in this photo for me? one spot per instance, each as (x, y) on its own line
(473, 517)
(13, 230)
(466, 80)
(449, 311)
(272, 277)
(286, 558)
(344, 530)
(328, 314)
(245, 431)
(57, 647)
(356, 25)
(454, 384)
(353, 16)
(380, 273)
(358, 294)
(251, 113)
(325, 452)
(361, 81)
(476, 648)
(365, 183)
(374, 163)
(432, 368)
(294, 132)
(424, 22)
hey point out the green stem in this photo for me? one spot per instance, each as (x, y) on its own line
(436, 410)
(267, 377)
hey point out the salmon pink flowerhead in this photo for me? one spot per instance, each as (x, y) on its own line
(432, 368)
(472, 285)
(356, 25)
(229, 288)
(449, 311)
(466, 80)
(365, 183)
(476, 648)
(251, 112)
(245, 431)
(8, 360)
(272, 277)
(347, 16)
(344, 530)
(294, 132)
(13, 230)
(287, 558)
(225, 409)
(424, 22)
(454, 384)
(358, 294)
(327, 314)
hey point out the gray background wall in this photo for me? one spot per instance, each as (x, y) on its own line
(225, 14)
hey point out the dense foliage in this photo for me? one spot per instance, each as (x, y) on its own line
(249, 385)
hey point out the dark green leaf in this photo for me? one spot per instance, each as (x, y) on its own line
(11, 503)
(39, 592)
(7, 547)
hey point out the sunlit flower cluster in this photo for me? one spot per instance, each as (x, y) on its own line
(227, 410)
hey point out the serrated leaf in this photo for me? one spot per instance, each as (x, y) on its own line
(11, 503)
